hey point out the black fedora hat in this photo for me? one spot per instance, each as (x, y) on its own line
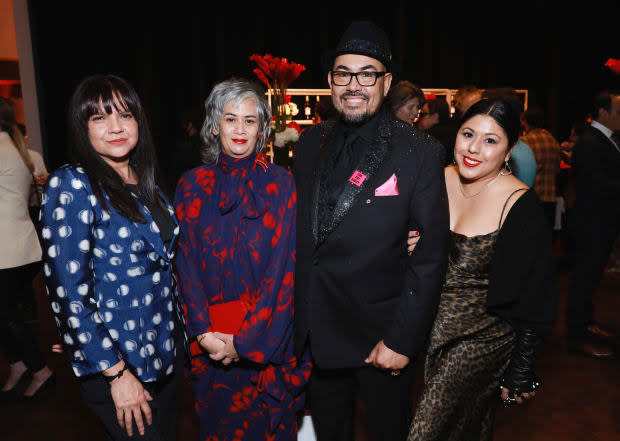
(362, 38)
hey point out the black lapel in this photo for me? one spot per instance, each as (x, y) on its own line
(319, 162)
(373, 158)
(603, 139)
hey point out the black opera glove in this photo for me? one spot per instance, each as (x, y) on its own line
(519, 376)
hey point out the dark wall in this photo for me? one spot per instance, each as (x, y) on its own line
(174, 54)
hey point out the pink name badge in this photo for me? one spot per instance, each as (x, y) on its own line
(357, 178)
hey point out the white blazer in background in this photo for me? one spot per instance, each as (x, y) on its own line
(20, 244)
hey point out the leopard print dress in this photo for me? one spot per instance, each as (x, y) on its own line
(468, 351)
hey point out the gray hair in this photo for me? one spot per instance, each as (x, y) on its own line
(233, 90)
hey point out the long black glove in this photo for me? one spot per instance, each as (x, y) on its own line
(519, 376)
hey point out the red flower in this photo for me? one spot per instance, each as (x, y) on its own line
(261, 76)
(280, 71)
(614, 65)
(294, 125)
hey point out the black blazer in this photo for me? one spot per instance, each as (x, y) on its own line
(596, 167)
(522, 280)
(355, 283)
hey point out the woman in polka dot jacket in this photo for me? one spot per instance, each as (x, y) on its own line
(109, 239)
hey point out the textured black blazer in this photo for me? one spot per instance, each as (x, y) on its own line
(355, 283)
(522, 279)
(596, 167)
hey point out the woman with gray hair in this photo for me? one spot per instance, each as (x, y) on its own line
(236, 273)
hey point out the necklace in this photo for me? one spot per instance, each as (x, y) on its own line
(483, 188)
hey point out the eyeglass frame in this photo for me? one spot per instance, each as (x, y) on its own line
(355, 74)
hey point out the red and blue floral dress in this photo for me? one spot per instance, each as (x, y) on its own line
(237, 242)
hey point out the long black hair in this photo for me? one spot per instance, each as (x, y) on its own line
(108, 92)
(504, 114)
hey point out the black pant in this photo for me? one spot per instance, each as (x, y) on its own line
(16, 338)
(549, 209)
(594, 239)
(387, 398)
(164, 407)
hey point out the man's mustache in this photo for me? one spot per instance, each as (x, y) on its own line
(358, 94)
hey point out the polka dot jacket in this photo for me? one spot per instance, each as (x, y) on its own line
(109, 280)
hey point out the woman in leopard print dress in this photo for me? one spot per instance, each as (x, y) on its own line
(472, 344)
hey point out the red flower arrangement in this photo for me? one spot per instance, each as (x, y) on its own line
(277, 73)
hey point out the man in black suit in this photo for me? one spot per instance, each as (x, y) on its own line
(596, 167)
(362, 305)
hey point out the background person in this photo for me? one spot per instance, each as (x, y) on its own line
(464, 98)
(443, 127)
(522, 160)
(405, 100)
(547, 152)
(595, 222)
(20, 259)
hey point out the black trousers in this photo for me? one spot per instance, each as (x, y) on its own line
(164, 407)
(387, 398)
(549, 210)
(594, 239)
(16, 338)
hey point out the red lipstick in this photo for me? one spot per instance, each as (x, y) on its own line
(239, 141)
(470, 162)
(118, 141)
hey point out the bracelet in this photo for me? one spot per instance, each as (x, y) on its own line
(200, 338)
(119, 374)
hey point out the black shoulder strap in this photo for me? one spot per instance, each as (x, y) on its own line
(505, 204)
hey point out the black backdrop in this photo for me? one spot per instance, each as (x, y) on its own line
(174, 53)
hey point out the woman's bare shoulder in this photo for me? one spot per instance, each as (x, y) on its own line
(510, 191)
(451, 173)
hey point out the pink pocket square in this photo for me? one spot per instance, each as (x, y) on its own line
(388, 188)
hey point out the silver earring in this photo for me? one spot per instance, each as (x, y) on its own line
(506, 171)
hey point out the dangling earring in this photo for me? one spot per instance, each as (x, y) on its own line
(454, 161)
(506, 171)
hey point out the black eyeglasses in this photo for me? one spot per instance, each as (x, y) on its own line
(364, 78)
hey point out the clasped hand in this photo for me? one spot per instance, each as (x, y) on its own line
(383, 357)
(519, 398)
(220, 347)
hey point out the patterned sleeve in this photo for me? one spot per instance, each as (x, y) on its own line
(67, 217)
(188, 203)
(266, 331)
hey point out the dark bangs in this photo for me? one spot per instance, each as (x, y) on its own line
(112, 93)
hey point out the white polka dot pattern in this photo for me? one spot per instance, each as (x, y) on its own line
(109, 280)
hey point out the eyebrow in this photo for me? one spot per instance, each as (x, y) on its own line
(246, 116)
(368, 66)
(488, 133)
